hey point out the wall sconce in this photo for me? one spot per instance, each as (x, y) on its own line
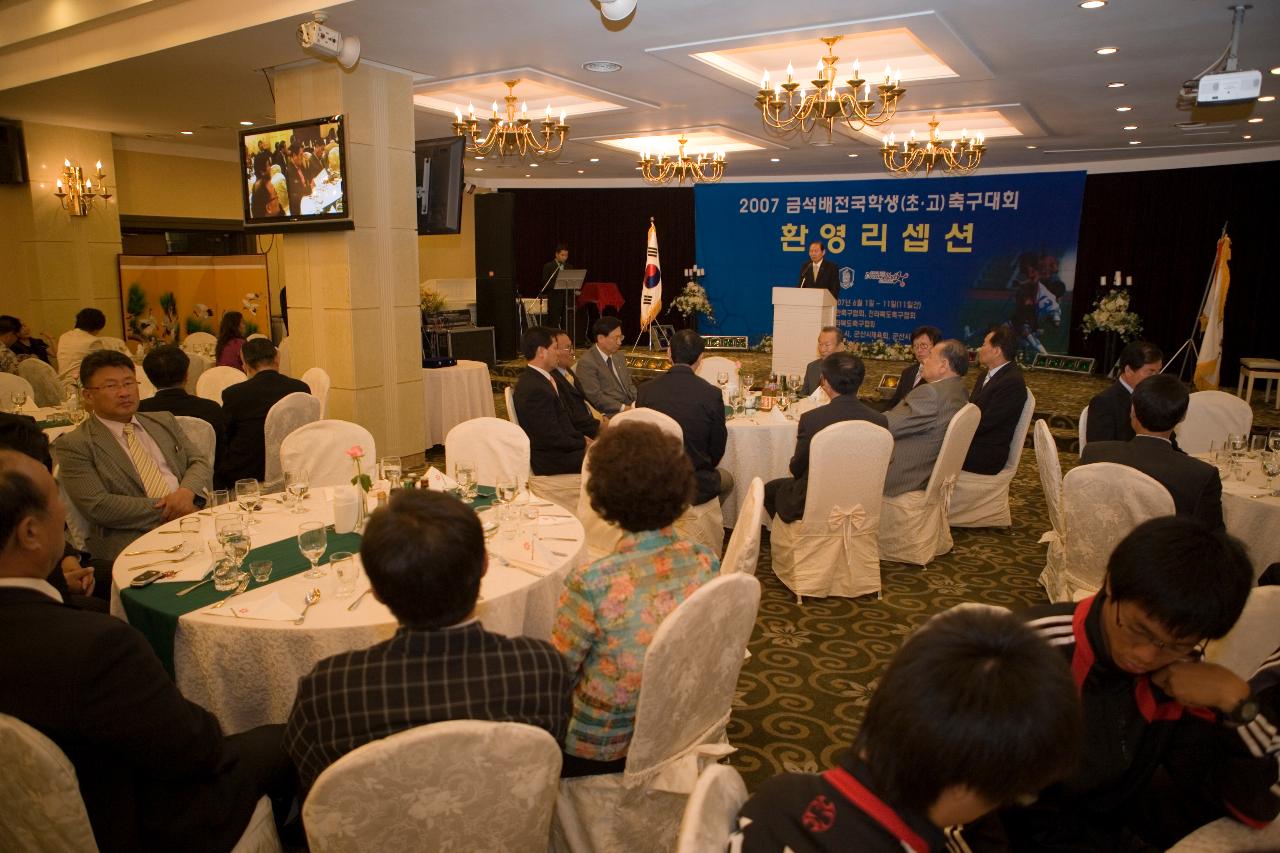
(76, 192)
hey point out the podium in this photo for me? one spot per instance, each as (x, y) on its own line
(799, 313)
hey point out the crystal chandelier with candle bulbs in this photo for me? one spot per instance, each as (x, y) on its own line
(77, 192)
(961, 156)
(512, 133)
(791, 106)
(662, 168)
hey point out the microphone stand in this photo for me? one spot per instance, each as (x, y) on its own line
(543, 290)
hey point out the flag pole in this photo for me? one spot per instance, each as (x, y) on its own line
(1189, 345)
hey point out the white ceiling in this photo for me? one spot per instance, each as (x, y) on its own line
(1036, 59)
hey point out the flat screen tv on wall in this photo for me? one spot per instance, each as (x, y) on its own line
(295, 176)
(440, 185)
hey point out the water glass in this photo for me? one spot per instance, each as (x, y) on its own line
(298, 486)
(1270, 467)
(345, 574)
(1256, 445)
(748, 382)
(1273, 441)
(507, 490)
(219, 498)
(226, 576)
(19, 399)
(794, 384)
(249, 496)
(236, 545)
(722, 379)
(392, 470)
(224, 521)
(261, 570)
(313, 538)
(1236, 444)
(465, 474)
(190, 527)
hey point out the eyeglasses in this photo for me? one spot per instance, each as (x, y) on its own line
(1141, 636)
(112, 387)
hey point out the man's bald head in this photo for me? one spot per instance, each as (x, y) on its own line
(32, 517)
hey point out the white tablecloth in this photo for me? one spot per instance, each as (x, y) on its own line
(757, 447)
(1254, 521)
(246, 671)
(455, 394)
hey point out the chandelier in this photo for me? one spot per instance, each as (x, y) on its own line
(76, 192)
(511, 134)
(961, 156)
(662, 169)
(789, 106)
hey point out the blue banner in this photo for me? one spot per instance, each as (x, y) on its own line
(958, 253)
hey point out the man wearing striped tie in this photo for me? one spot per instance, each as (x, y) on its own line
(127, 472)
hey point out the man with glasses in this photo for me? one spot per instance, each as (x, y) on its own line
(829, 340)
(922, 342)
(1171, 742)
(127, 472)
(606, 381)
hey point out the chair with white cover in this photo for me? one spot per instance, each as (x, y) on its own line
(43, 379)
(1254, 638)
(508, 397)
(1051, 483)
(913, 525)
(196, 368)
(1101, 503)
(459, 785)
(1227, 833)
(499, 449)
(1211, 416)
(284, 351)
(257, 335)
(317, 380)
(196, 341)
(287, 414)
(743, 551)
(200, 433)
(41, 808)
(982, 500)
(713, 365)
(712, 813)
(833, 548)
(1083, 428)
(12, 383)
(686, 696)
(215, 380)
(117, 344)
(318, 451)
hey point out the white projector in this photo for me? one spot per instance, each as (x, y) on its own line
(1229, 87)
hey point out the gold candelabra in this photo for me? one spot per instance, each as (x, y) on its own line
(77, 192)
(512, 133)
(961, 156)
(662, 169)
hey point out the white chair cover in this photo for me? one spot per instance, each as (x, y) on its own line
(318, 381)
(508, 397)
(1211, 416)
(256, 335)
(913, 525)
(12, 383)
(289, 412)
(499, 449)
(318, 451)
(712, 813)
(1228, 834)
(1101, 503)
(833, 549)
(201, 434)
(117, 344)
(215, 380)
(714, 364)
(1084, 425)
(196, 341)
(284, 350)
(686, 693)
(40, 804)
(743, 551)
(461, 785)
(982, 500)
(199, 364)
(563, 490)
(43, 379)
(1051, 482)
(1254, 637)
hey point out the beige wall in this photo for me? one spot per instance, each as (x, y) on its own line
(183, 187)
(450, 255)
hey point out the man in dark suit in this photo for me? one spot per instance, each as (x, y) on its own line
(246, 405)
(1000, 393)
(425, 557)
(569, 387)
(828, 340)
(922, 342)
(698, 407)
(555, 445)
(819, 272)
(167, 367)
(842, 374)
(1109, 410)
(1159, 405)
(547, 286)
(919, 423)
(154, 769)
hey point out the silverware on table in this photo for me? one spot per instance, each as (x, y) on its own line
(312, 598)
(181, 559)
(353, 605)
(170, 550)
(240, 588)
(208, 576)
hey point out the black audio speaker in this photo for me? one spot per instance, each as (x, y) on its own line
(495, 271)
(13, 154)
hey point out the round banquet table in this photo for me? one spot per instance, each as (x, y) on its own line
(455, 394)
(1252, 520)
(758, 446)
(246, 670)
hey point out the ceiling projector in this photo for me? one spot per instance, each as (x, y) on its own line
(313, 35)
(1229, 87)
(1222, 92)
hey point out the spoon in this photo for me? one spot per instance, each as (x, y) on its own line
(170, 550)
(181, 559)
(312, 598)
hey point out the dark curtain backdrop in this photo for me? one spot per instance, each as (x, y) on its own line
(606, 231)
(1161, 228)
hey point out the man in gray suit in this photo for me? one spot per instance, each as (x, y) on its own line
(127, 472)
(919, 422)
(829, 340)
(602, 371)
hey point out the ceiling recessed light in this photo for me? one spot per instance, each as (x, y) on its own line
(187, 132)
(479, 157)
(853, 155)
(528, 175)
(1256, 120)
(533, 165)
(1130, 127)
(1247, 136)
(637, 168)
(1266, 99)
(1135, 141)
(775, 159)
(601, 66)
(582, 171)
(250, 124)
(1123, 109)
(477, 169)
(1276, 70)
(1093, 4)
(1106, 51)
(595, 159)
(1116, 84)
(1032, 146)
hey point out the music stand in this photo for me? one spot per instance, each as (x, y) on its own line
(570, 280)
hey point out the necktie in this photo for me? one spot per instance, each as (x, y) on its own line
(148, 470)
(613, 367)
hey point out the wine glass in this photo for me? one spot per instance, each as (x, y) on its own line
(1236, 445)
(1271, 467)
(19, 399)
(249, 496)
(794, 384)
(1256, 445)
(313, 538)
(298, 487)
(465, 474)
(392, 470)
(1273, 441)
(226, 521)
(508, 488)
(236, 545)
(722, 379)
(748, 382)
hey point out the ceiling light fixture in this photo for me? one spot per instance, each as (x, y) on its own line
(1093, 4)
(1266, 99)
(775, 159)
(246, 124)
(1256, 120)
(962, 156)
(76, 191)
(1276, 70)
(1106, 51)
(187, 132)
(1116, 84)
(1123, 109)
(582, 171)
(1032, 147)
(595, 159)
(663, 168)
(1247, 136)
(1130, 127)
(787, 107)
(617, 10)
(512, 134)
(853, 155)
(602, 66)
(1135, 141)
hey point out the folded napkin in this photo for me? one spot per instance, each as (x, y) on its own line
(777, 416)
(440, 482)
(819, 396)
(345, 503)
(270, 608)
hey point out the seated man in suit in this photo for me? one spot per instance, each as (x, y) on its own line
(922, 343)
(1000, 393)
(1159, 405)
(154, 769)
(246, 405)
(127, 472)
(555, 445)
(829, 340)
(603, 372)
(842, 374)
(1109, 410)
(570, 387)
(819, 272)
(920, 421)
(424, 554)
(167, 368)
(698, 407)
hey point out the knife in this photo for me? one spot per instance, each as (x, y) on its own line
(208, 577)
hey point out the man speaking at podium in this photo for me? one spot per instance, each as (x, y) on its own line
(819, 272)
(555, 298)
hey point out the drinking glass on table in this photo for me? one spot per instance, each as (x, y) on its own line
(794, 384)
(19, 399)
(1273, 441)
(1257, 443)
(190, 527)
(748, 381)
(313, 538)
(261, 570)
(297, 485)
(465, 474)
(722, 379)
(345, 574)
(236, 545)
(1270, 467)
(249, 496)
(392, 470)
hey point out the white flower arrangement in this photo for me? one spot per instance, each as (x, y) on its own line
(693, 300)
(879, 349)
(1111, 314)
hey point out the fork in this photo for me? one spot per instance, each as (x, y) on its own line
(181, 559)
(170, 550)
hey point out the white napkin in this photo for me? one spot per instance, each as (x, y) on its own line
(819, 396)
(344, 509)
(270, 608)
(439, 482)
(777, 416)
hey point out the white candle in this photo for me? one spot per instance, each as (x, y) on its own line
(1117, 278)
(1102, 281)
(1128, 281)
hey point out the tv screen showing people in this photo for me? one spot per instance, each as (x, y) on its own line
(294, 173)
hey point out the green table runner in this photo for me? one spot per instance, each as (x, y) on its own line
(53, 422)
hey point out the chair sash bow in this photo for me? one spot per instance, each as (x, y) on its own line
(848, 521)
